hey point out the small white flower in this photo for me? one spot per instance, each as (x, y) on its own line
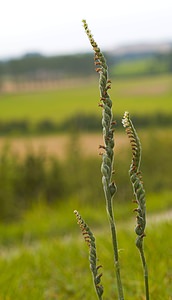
(125, 120)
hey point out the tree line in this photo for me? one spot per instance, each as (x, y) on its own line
(38, 67)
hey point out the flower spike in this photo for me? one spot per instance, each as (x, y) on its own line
(109, 186)
(90, 241)
(139, 192)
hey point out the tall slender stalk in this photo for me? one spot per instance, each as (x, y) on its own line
(139, 193)
(108, 155)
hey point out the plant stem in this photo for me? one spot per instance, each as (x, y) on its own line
(115, 245)
(107, 157)
(145, 271)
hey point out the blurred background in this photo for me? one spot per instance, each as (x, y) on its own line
(50, 129)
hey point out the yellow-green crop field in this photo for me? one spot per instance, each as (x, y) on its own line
(139, 96)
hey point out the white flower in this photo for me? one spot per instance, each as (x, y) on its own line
(125, 120)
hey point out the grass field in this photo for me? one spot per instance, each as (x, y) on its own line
(44, 256)
(139, 66)
(139, 96)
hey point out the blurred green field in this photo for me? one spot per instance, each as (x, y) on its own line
(147, 95)
(140, 66)
(44, 255)
(135, 67)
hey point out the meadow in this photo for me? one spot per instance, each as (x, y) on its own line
(138, 95)
(42, 253)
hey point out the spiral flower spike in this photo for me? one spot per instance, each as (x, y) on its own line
(109, 186)
(139, 192)
(90, 241)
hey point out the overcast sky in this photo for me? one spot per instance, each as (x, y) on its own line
(54, 26)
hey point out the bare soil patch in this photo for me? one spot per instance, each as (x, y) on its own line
(10, 86)
(59, 145)
(148, 90)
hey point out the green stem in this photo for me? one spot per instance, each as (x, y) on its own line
(117, 265)
(114, 242)
(145, 271)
